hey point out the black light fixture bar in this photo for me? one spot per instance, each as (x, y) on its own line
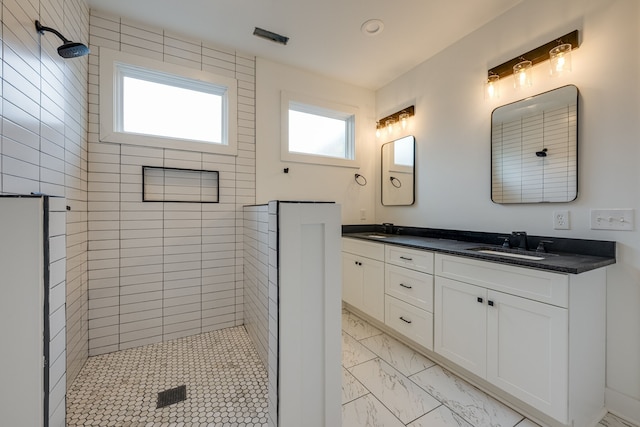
(395, 117)
(269, 35)
(536, 55)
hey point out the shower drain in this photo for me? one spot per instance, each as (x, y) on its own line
(171, 396)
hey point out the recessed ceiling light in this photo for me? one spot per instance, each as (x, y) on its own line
(372, 27)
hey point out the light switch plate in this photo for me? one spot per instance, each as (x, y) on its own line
(612, 219)
(561, 220)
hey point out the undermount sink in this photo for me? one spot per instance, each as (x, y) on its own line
(511, 253)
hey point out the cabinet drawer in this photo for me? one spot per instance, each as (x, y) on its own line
(413, 287)
(410, 321)
(409, 258)
(362, 248)
(538, 285)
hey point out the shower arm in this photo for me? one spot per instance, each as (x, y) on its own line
(41, 29)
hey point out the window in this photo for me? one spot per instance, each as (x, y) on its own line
(151, 103)
(316, 131)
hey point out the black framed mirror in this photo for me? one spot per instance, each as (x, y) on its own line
(534, 149)
(398, 172)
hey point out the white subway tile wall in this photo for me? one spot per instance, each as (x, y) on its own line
(160, 270)
(44, 146)
(57, 313)
(261, 292)
(274, 318)
(256, 277)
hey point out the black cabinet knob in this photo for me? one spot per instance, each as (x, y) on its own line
(490, 303)
(480, 299)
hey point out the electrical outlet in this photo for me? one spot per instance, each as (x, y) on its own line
(612, 219)
(561, 220)
(363, 214)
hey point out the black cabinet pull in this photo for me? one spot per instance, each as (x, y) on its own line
(358, 263)
(405, 320)
(490, 303)
(480, 299)
(406, 286)
(406, 258)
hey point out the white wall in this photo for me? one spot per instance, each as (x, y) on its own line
(452, 128)
(164, 270)
(308, 181)
(44, 134)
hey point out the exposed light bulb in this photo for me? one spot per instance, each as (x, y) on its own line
(560, 59)
(389, 126)
(491, 87)
(404, 118)
(522, 74)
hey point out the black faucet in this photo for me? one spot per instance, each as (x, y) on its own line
(522, 239)
(387, 227)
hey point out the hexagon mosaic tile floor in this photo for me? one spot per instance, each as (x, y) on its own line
(225, 380)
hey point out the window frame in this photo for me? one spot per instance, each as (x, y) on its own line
(112, 64)
(320, 107)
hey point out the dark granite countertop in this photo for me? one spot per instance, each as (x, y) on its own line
(564, 255)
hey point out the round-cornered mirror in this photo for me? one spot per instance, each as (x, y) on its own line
(534, 149)
(398, 172)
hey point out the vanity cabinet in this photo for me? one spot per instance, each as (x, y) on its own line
(409, 293)
(363, 276)
(537, 335)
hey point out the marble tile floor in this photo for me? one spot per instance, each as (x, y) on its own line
(387, 384)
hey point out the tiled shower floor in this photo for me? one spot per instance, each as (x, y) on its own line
(226, 384)
(385, 384)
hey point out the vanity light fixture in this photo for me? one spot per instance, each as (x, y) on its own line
(491, 87)
(560, 59)
(404, 118)
(556, 51)
(523, 74)
(389, 125)
(401, 117)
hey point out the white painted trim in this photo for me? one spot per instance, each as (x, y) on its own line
(285, 155)
(109, 60)
(623, 406)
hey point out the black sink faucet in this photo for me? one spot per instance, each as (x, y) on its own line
(522, 239)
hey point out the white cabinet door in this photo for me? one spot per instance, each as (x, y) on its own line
(460, 318)
(352, 280)
(363, 284)
(527, 351)
(373, 288)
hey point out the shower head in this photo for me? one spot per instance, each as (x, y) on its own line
(68, 49)
(72, 50)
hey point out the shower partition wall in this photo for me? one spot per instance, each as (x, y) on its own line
(292, 276)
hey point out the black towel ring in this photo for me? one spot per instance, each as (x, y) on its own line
(395, 182)
(360, 180)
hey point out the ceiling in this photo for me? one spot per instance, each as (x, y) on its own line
(325, 35)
